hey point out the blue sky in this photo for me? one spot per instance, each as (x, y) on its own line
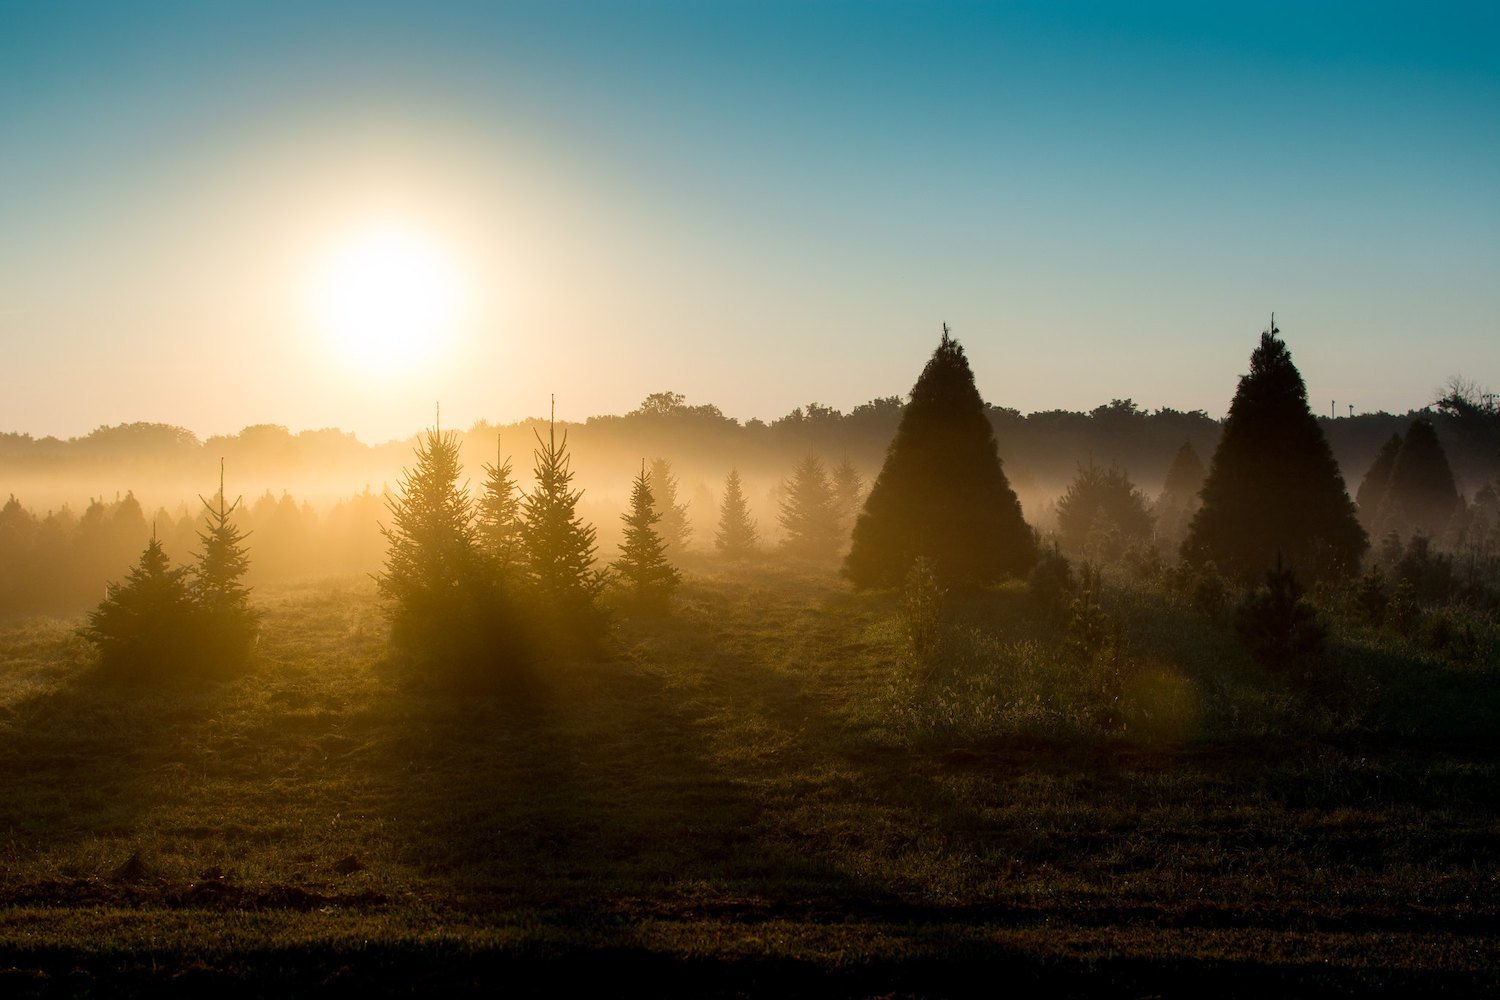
(757, 205)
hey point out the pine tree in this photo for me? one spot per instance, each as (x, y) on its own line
(942, 491)
(559, 545)
(499, 516)
(737, 536)
(223, 602)
(1102, 513)
(1273, 486)
(446, 609)
(1421, 496)
(675, 529)
(808, 513)
(643, 564)
(848, 495)
(146, 625)
(1377, 482)
(1178, 502)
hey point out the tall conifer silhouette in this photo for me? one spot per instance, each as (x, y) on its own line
(736, 537)
(1273, 486)
(643, 564)
(559, 545)
(1421, 497)
(1377, 482)
(499, 515)
(942, 492)
(223, 601)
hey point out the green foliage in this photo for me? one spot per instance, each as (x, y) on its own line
(1274, 490)
(675, 529)
(643, 564)
(448, 612)
(559, 545)
(1050, 582)
(942, 491)
(1178, 502)
(499, 517)
(146, 628)
(808, 514)
(737, 535)
(1102, 514)
(223, 601)
(922, 610)
(1370, 600)
(1279, 627)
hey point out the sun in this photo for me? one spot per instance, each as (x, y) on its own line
(387, 298)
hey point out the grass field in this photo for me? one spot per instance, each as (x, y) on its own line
(767, 791)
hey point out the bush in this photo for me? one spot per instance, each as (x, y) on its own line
(1280, 629)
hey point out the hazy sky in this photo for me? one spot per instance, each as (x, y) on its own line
(757, 205)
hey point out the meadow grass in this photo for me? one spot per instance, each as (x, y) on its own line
(766, 790)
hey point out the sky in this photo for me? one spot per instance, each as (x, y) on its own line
(211, 213)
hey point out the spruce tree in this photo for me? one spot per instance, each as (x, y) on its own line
(1102, 513)
(848, 495)
(1421, 497)
(1273, 486)
(643, 564)
(145, 626)
(499, 516)
(446, 610)
(1377, 482)
(675, 529)
(942, 491)
(1178, 502)
(559, 545)
(808, 513)
(737, 536)
(223, 602)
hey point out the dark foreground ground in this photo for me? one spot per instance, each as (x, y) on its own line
(763, 794)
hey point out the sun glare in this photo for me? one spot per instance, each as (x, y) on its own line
(388, 299)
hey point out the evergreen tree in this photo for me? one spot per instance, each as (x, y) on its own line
(643, 563)
(446, 609)
(808, 513)
(848, 495)
(942, 491)
(675, 529)
(223, 602)
(737, 536)
(1421, 497)
(1377, 483)
(1273, 486)
(1178, 502)
(559, 545)
(145, 626)
(1102, 513)
(499, 514)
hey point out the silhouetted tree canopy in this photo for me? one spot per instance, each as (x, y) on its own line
(146, 625)
(1102, 513)
(942, 492)
(1377, 482)
(1273, 486)
(808, 513)
(559, 545)
(499, 516)
(1421, 497)
(228, 620)
(736, 536)
(643, 565)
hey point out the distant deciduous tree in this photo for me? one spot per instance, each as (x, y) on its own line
(942, 491)
(808, 514)
(643, 566)
(1274, 487)
(737, 536)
